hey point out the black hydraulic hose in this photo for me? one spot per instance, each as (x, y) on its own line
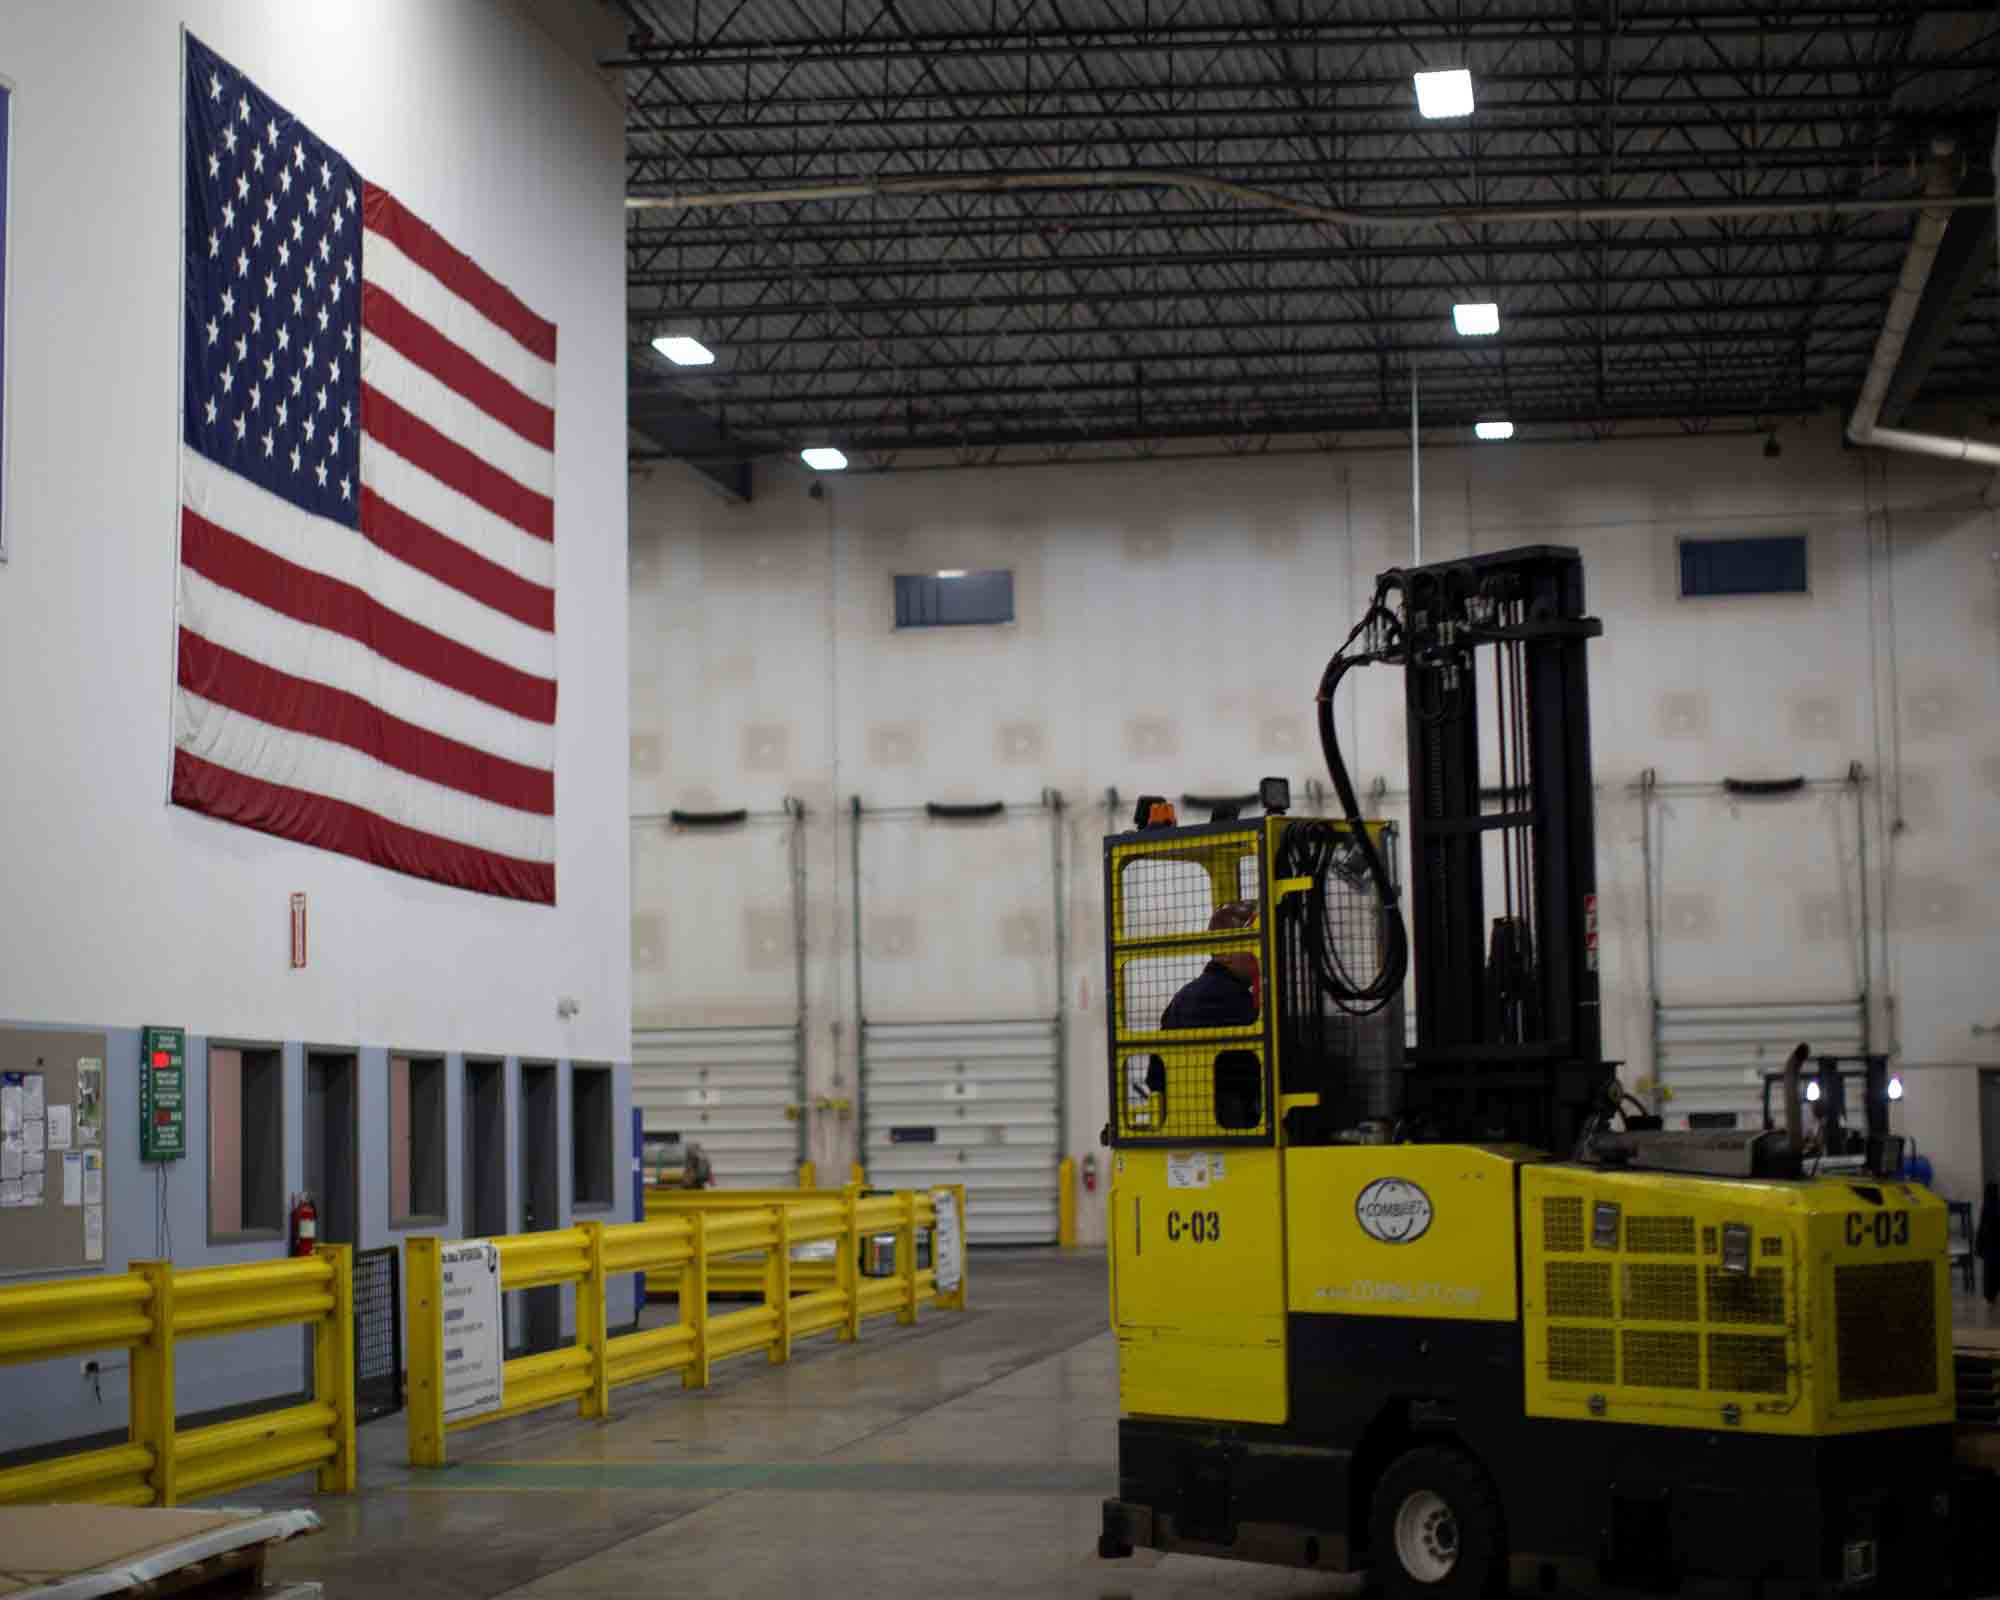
(1360, 999)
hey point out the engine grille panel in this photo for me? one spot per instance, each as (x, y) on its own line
(1562, 1225)
(1659, 1236)
(1582, 1355)
(1747, 1298)
(1746, 1363)
(1885, 1330)
(1579, 1289)
(1661, 1293)
(1662, 1360)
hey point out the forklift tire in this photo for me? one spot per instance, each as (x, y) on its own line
(1435, 1530)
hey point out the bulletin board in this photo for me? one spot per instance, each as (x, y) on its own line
(53, 1090)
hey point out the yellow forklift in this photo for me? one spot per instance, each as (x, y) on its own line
(1460, 1314)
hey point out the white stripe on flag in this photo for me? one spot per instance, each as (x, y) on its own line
(457, 418)
(255, 749)
(417, 291)
(274, 640)
(325, 547)
(442, 508)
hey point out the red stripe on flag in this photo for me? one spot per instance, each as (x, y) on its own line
(308, 818)
(383, 213)
(395, 532)
(323, 602)
(395, 324)
(445, 459)
(220, 674)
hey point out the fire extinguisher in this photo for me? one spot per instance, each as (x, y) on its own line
(305, 1225)
(1090, 1172)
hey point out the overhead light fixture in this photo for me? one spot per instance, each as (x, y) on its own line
(1812, 1094)
(683, 351)
(951, 572)
(1494, 430)
(1445, 94)
(1895, 1088)
(823, 458)
(1476, 317)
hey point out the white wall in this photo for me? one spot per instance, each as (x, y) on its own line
(1172, 622)
(121, 908)
(117, 910)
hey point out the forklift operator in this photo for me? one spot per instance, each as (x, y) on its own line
(1227, 994)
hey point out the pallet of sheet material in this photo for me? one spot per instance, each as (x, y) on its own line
(84, 1552)
(1976, 1362)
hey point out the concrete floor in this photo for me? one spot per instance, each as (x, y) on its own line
(965, 1455)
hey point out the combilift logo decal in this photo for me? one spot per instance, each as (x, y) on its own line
(1393, 1210)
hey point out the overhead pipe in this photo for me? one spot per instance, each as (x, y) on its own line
(1245, 194)
(1909, 294)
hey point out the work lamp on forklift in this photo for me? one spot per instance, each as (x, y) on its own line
(1275, 795)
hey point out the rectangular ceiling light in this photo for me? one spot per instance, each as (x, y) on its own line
(951, 572)
(823, 458)
(1445, 94)
(1476, 318)
(683, 351)
(1494, 430)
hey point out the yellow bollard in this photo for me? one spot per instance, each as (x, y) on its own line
(152, 1381)
(333, 1371)
(1066, 1203)
(423, 1279)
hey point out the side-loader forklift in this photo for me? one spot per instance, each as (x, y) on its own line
(1461, 1314)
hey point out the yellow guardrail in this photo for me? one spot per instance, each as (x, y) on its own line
(743, 1274)
(690, 1239)
(148, 1310)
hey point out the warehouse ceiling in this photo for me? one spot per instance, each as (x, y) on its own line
(1061, 226)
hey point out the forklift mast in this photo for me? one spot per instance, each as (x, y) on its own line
(1503, 875)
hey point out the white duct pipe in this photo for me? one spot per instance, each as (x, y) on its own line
(1265, 199)
(1909, 294)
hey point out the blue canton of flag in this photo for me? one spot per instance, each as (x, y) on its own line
(273, 362)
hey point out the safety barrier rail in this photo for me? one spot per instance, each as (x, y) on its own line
(743, 1274)
(148, 1310)
(691, 1242)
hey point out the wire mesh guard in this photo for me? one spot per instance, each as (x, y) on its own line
(1188, 988)
(378, 1372)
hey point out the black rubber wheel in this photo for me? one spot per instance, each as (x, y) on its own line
(1435, 1529)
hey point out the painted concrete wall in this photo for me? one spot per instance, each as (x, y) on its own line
(1172, 621)
(120, 910)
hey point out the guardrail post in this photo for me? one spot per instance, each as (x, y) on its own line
(857, 1175)
(593, 1328)
(847, 1266)
(1066, 1202)
(333, 1371)
(778, 1286)
(808, 1175)
(694, 1302)
(423, 1279)
(151, 1385)
(906, 1258)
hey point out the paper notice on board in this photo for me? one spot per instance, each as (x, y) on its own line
(31, 1097)
(93, 1178)
(33, 1160)
(11, 1096)
(89, 1100)
(10, 1158)
(31, 1188)
(72, 1180)
(31, 1133)
(93, 1233)
(10, 1192)
(59, 1126)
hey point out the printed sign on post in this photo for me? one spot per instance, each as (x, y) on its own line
(474, 1343)
(945, 1242)
(162, 1094)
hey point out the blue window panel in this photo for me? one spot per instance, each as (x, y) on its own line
(927, 601)
(1743, 566)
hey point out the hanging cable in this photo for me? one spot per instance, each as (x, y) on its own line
(1315, 849)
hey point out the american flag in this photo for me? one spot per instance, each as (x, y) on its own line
(367, 652)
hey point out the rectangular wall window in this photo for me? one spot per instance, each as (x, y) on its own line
(954, 599)
(1743, 566)
(246, 1143)
(590, 1137)
(416, 1141)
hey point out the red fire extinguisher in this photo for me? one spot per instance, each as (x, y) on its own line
(1090, 1171)
(305, 1225)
